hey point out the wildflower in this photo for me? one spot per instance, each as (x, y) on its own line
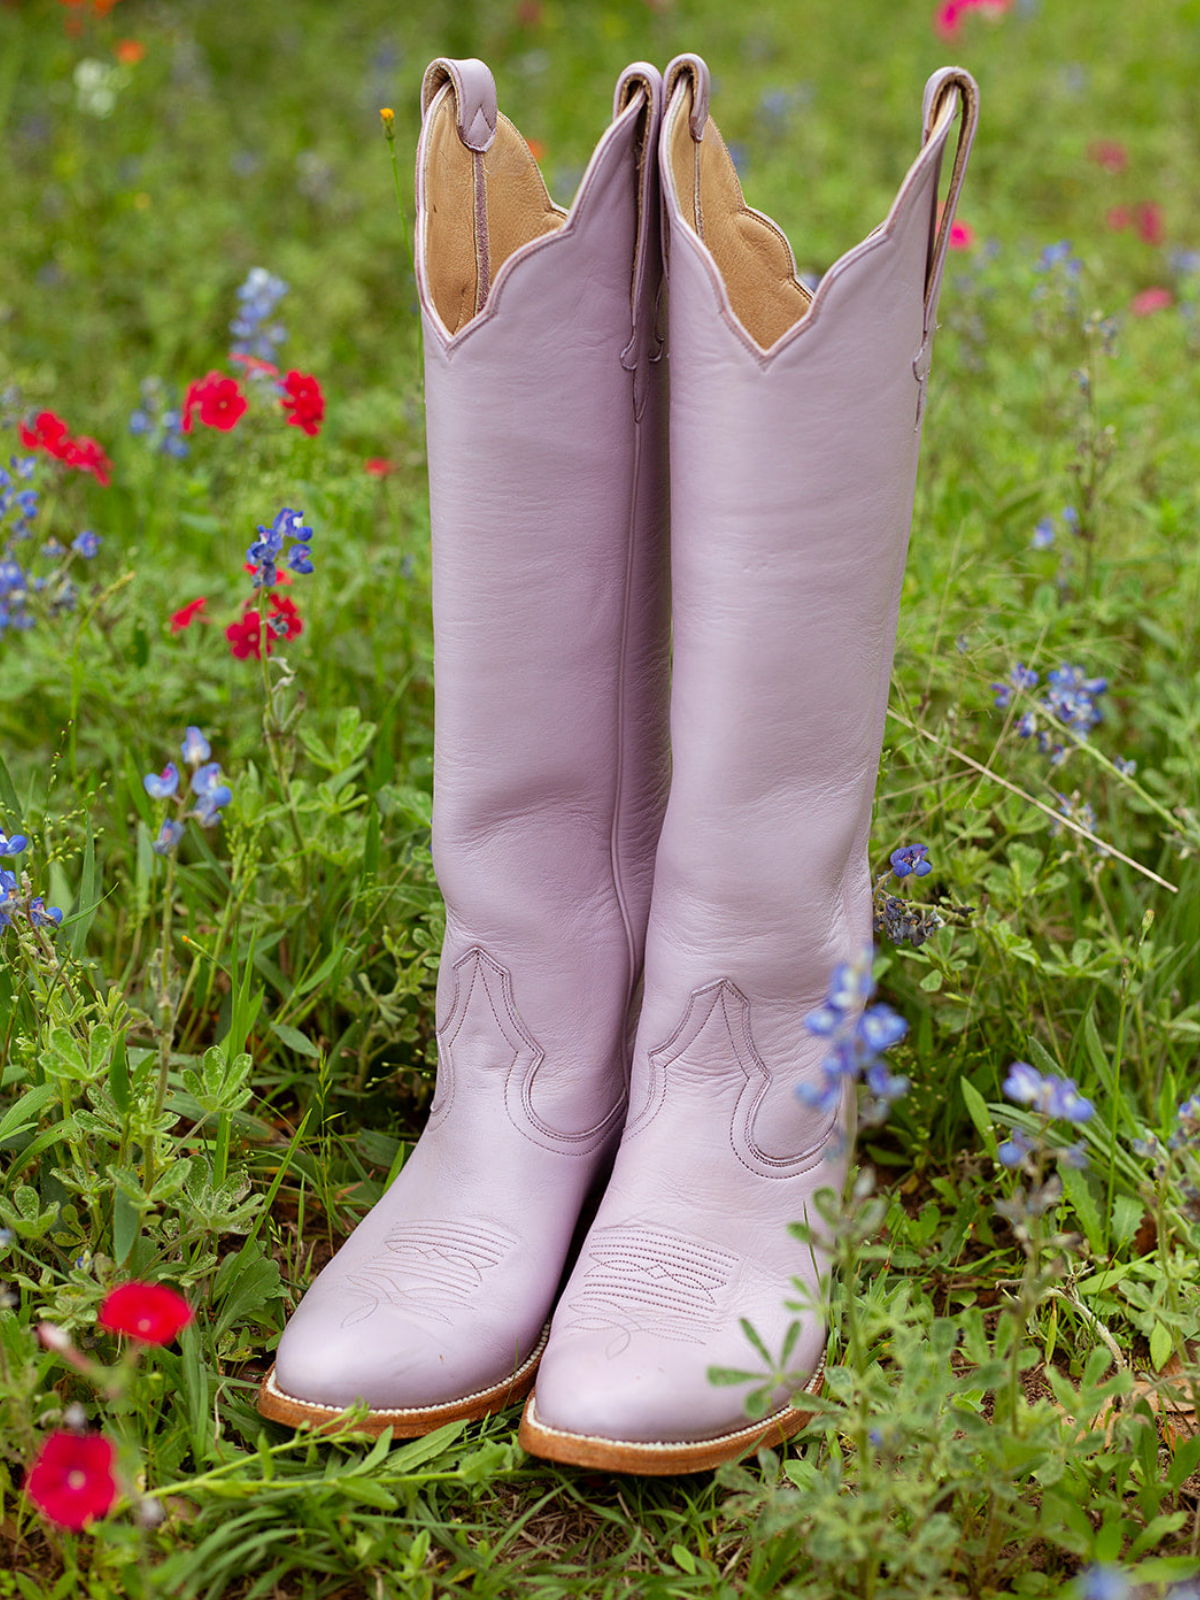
(1107, 153)
(858, 1034)
(1052, 1096)
(43, 916)
(169, 836)
(1043, 534)
(303, 398)
(1105, 1582)
(1150, 301)
(264, 553)
(186, 615)
(1059, 255)
(910, 858)
(211, 794)
(14, 846)
(49, 433)
(148, 1312)
(1148, 220)
(86, 544)
(161, 786)
(71, 1480)
(218, 399)
(905, 923)
(243, 637)
(86, 456)
(1013, 1151)
(1021, 677)
(1124, 767)
(962, 236)
(195, 747)
(388, 117)
(379, 466)
(129, 51)
(259, 295)
(1072, 698)
(1069, 514)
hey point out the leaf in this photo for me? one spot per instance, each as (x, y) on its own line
(978, 1112)
(118, 1076)
(1083, 1203)
(127, 1224)
(1161, 1345)
(28, 1106)
(8, 799)
(295, 1040)
(88, 899)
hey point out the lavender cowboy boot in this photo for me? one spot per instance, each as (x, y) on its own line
(547, 476)
(795, 428)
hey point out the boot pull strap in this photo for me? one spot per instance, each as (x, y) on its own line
(643, 83)
(945, 82)
(474, 98)
(692, 67)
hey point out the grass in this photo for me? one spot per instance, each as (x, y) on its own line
(219, 1062)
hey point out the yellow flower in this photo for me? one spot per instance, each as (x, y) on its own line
(388, 117)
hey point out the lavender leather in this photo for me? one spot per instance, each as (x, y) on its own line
(547, 473)
(792, 480)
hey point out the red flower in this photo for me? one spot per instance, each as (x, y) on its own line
(280, 577)
(962, 236)
(1148, 219)
(245, 635)
(87, 455)
(186, 615)
(71, 1479)
(303, 398)
(219, 400)
(1150, 300)
(49, 433)
(129, 51)
(1119, 217)
(148, 1312)
(379, 466)
(281, 606)
(1107, 153)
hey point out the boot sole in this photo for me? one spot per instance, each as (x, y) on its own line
(405, 1423)
(661, 1459)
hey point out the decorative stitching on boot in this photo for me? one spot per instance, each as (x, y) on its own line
(430, 1266)
(640, 1280)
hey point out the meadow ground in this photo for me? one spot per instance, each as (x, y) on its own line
(218, 1060)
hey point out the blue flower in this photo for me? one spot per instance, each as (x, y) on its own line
(1104, 1583)
(1072, 698)
(169, 836)
(13, 846)
(259, 296)
(1071, 517)
(139, 423)
(264, 553)
(195, 747)
(43, 916)
(1050, 1095)
(880, 1028)
(857, 1036)
(86, 544)
(1013, 1151)
(1043, 534)
(211, 794)
(161, 786)
(910, 858)
(1125, 768)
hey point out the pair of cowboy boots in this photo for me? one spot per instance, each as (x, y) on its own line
(653, 775)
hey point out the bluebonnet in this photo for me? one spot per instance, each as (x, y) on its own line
(1071, 517)
(1104, 1583)
(211, 794)
(195, 747)
(161, 786)
(911, 858)
(1125, 768)
(1043, 533)
(43, 916)
(253, 333)
(1021, 677)
(266, 550)
(169, 836)
(1072, 698)
(13, 846)
(86, 544)
(140, 423)
(150, 419)
(1050, 1095)
(1013, 1151)
(857, 1034)
(1056, 256)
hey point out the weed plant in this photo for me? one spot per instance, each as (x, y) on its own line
(219, 927)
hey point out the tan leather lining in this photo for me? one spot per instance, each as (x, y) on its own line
(480, 208)
(752, 255)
